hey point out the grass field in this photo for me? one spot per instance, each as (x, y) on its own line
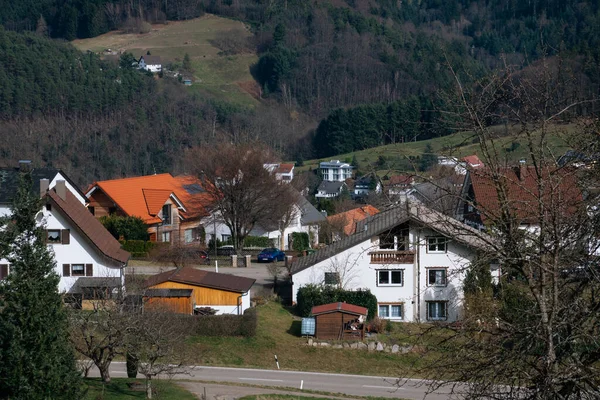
(398, 156)
(225, 77)
(119, 389)
(278, 333)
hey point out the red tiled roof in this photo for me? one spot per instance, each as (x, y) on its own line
(333, 307)
(284, 168)
(401, 180)
(473, 161)
(197, 277)
(561, 192)
(144, 196)
(89, 226)
(351, 217)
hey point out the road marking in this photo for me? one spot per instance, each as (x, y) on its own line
(259, 379)
(383, 387)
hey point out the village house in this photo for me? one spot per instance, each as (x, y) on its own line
(344, 224)
(189, 291)
(284, 172)
(398, 185)
(366, 185)
(329, 189)
(335, 171)
(412, 258)
(150, 63)
(89, 260)
(172, 207)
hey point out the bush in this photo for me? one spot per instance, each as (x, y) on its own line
(227, 325)
(257, 241)
(127, 228)
(313, 295)
(300, 241)
(138, 248)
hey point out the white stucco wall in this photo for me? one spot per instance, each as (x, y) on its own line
(231, 309)
(356, 272)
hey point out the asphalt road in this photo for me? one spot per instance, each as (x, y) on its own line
(357, 385)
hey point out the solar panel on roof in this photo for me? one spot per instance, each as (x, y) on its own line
(194, 188)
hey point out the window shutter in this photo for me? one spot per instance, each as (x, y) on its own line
(89, 270)
(45, 235)
(3, 271)
(446, 310)
(66, 269)
(65, 236)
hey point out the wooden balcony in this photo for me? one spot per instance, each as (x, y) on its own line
(392, 257)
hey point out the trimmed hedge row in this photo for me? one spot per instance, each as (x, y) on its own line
(314, 295)
(137, 248)
(300, 241)
(227, 325)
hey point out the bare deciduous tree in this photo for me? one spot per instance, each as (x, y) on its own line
(538, 337)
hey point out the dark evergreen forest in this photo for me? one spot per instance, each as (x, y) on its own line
(371, 71)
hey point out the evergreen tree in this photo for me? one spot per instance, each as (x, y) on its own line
(428, 158)
(36, 360)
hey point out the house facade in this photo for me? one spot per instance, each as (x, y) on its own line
(172, 207)
(284, 172)
(366, 185)
(150, 63)
(412, 258)
(335, 171)
(88, 259)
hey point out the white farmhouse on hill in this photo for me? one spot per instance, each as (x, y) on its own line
(150, 63)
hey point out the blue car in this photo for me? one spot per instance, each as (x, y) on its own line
(271, 254)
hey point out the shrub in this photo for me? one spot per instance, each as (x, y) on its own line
(227, 325)
(313, 295)
(128, 228)
(376, 325)
(138, 248)
(300, 241)
(257, 241)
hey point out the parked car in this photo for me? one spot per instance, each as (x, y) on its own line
(227, 250)
(271, 254)
(204, 257)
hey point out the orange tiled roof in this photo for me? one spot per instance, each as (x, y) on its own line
(351, 217)
(285, 168)
(473, 161)
(144, 196)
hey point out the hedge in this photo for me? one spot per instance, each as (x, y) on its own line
(137, 248)
(227, 325)
(300, 241)
(314, 295)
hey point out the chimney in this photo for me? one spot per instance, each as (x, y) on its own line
(522, 169)
(61, 190)
(44, 185)
(24, 165)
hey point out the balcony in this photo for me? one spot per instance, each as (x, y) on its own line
(392, 257)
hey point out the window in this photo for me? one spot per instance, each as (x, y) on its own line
(390, 311)
(437, 277)
(332, 278)
(92, 209)
(53, 236)
(437, 310)
(3, 271)
(188, 235)
(390, 277)
(166, 237)
(77, 270)
(436, 244)
(166, 214)
(225, 238)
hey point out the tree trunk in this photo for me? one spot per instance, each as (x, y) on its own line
(104, 372)
(149, 387)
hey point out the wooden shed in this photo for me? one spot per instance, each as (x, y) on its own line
(339, 321)
(185, 289)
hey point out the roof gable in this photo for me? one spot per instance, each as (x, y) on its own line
(343, 307)
(89, 226)
(155, 199)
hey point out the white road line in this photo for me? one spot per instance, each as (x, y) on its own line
(259, 379)
(383, 387)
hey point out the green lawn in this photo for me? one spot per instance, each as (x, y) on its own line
(121, 388)
(278, 334)
(398, 156)
(223, 77)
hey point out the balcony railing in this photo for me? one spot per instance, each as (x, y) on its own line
(392, 257)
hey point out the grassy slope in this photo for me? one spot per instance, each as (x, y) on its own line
(457, 145)
(224, 77)
(278, 334)
(118, 389)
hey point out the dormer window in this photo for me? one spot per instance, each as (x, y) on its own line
(166, 214)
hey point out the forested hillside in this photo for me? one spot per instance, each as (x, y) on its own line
(372, 71)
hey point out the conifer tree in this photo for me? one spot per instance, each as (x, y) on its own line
(36, 360)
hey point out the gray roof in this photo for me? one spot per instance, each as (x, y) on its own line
(385, 220)
(309, 214)
(330, 186)
(151, 60)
